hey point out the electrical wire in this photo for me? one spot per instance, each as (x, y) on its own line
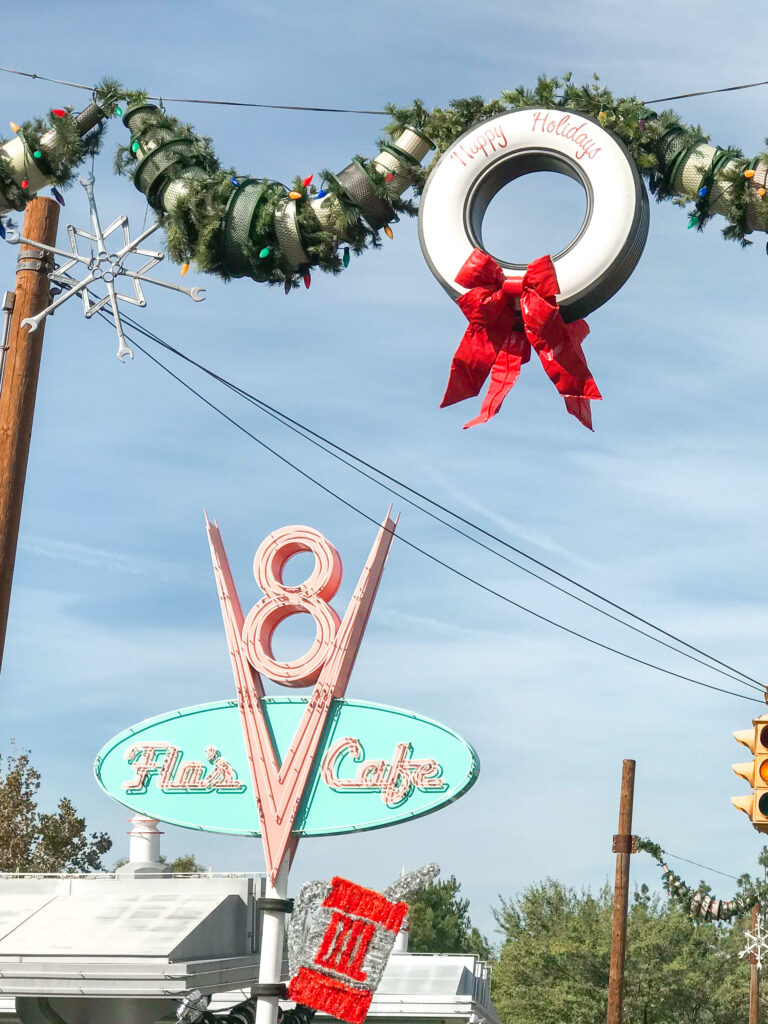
(324, 444)
(422, 551)
(215, 103)
(704, 92)
(341, 110)
(706, 867)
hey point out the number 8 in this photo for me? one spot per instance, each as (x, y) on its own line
(308, 598)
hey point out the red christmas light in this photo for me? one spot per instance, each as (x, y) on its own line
(307, 181)
(58, 112)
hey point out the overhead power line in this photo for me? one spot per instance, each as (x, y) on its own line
(338, 110)
(415, 547)
(397, 487)
(706, 867)
(215, 103)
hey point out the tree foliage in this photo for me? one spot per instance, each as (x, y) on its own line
(439, 922)
(555, 957)
(31, 840)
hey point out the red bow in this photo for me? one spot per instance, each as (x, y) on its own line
(501, 332)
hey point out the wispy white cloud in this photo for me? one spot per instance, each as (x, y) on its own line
(58, 550)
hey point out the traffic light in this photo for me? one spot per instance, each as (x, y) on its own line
(755, 772)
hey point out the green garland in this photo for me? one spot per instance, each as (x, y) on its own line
(195, 225)
(698, 903)
(57, 159)
(641, 129)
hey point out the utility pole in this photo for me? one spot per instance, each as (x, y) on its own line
(19, 386)
(622, 847)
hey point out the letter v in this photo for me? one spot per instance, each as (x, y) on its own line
(279, 788)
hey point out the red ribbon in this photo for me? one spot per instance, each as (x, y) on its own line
(508, 316)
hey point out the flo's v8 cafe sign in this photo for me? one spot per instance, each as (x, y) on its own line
(283, 766)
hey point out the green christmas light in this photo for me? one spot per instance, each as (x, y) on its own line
(134, 147)
(37, 154)
(345, 258)
(118, 111)
(693, 222)
(265, 252)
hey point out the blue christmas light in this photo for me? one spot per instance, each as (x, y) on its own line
(703, 191)
(57, 196)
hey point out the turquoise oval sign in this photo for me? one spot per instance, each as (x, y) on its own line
(375, 766)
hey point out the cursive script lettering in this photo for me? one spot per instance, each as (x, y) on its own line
(163, 762)
(395, 780)
(485, 142)
(567, 128)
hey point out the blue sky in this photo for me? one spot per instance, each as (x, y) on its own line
(114, 615)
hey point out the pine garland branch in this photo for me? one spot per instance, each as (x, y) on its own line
(640, 128)
(698, 903)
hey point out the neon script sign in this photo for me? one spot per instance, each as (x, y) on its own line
(288, 766)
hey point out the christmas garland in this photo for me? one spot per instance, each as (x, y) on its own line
(657, 142)
(196, 221)
(699, 903)
(350, 208)
(53, 144)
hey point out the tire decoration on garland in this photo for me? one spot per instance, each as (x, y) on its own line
(605, 251)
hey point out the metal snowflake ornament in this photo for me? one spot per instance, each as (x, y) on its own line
(757, 943)
(103, 267)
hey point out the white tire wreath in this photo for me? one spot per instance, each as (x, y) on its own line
(606, 249)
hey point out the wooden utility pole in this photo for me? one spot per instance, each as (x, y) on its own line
(754, 975)
(622, 847)
(17, 397)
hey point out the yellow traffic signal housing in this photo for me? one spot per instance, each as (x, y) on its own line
(755, 772)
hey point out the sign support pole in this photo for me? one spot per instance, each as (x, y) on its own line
(622, 846)
(272, 941)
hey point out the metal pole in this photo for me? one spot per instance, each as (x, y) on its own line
(271, 950)
(754, 976)
(622, 846)
(17, 398)
(9, 298)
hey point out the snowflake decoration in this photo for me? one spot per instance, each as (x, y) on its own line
(103, 267)
(757, 943)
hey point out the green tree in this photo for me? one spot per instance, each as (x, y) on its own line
(439, 922)
(34, 841)
(554, 961)
(186, 864)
